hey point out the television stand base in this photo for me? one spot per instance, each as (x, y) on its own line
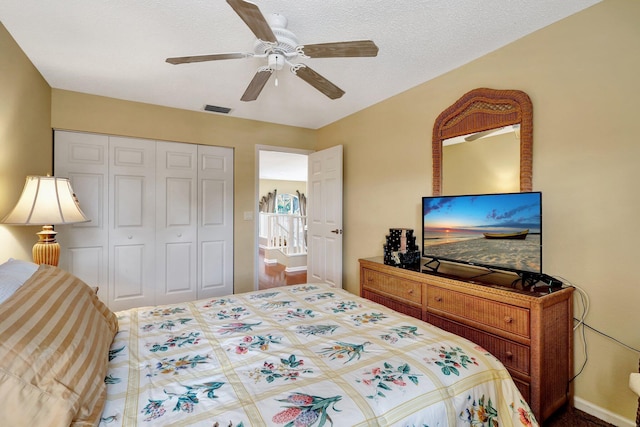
(536, 280)
(433, 265)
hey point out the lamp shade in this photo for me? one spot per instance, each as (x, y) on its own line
(46, 200)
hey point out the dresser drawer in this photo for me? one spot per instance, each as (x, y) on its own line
(514, 356)
(393, 304)
(476, 309)
(394, 287)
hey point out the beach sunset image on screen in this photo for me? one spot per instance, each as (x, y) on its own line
(501, 231)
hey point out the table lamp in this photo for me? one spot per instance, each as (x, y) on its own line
(46, 201)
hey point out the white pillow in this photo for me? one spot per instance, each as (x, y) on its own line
(13, 274)
(8, 285)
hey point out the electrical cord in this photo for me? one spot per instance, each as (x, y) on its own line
(612, 338)
(584, 299)
(580, 322)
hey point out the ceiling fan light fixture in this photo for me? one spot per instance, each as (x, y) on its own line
(276, 61)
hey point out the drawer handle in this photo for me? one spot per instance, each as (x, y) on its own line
(438, 299)
(508, 319)
(410, 292)
(509, 355)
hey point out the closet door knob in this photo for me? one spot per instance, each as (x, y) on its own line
(129, 237)
(179, 234)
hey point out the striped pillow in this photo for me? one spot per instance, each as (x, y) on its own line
(55, 336)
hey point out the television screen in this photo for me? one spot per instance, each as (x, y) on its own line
(501, 231)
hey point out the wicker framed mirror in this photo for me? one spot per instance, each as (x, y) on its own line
(481, 110)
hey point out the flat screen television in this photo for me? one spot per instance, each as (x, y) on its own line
(495, 231)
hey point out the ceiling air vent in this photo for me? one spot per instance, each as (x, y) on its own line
(216, 109)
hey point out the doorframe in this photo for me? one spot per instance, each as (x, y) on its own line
(256, 201)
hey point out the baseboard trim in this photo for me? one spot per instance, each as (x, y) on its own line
(295, 269)
(270, 261)
(603, 414)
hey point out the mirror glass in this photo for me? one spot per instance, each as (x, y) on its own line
(482, 162)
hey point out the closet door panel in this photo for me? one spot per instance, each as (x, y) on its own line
(128, 275)
(180, 194)
(178, 278)
(128, 201)
(176, 222)
(90, 188)
(87, 263)
(213, 272)
(83, 158)
(213, 203)
(215, 221)
(132, 223)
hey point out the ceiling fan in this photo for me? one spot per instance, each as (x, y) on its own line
(279, 45)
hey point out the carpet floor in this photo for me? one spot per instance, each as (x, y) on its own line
(574, 418)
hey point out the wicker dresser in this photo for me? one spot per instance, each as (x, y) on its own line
(530, 332)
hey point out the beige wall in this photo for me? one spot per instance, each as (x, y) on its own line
(582, 76)
(25, 139)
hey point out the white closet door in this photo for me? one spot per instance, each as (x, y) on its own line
(215, 221)
(83, 158)
(132, 223)
(176, 221)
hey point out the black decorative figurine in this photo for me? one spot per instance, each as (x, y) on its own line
(401, 249)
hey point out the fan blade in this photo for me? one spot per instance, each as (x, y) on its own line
(340, 49)
(254, 19)
(203, 58)
(319, 82)
(256, 85)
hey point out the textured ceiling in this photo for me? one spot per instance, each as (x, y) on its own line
(117, 48)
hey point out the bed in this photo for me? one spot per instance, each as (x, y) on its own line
(304, 355)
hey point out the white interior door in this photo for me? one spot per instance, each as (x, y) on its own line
(324, 211)
(176, 221)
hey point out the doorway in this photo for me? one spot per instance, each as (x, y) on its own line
(281, 188)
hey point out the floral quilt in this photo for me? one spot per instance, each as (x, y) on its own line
(306, 355)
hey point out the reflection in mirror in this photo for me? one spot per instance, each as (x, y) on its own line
(482, 162)
(477, 112)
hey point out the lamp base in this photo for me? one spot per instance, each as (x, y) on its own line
(46, 250)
